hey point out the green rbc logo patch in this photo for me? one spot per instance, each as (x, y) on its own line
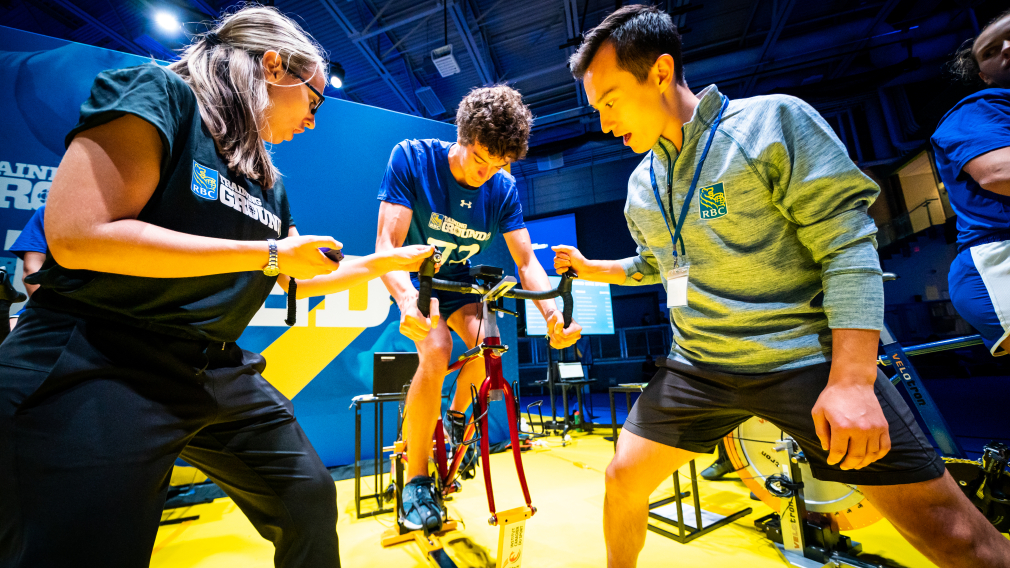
(712, 202)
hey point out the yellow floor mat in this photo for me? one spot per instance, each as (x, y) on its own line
(566, 484)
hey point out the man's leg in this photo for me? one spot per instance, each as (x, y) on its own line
(637, 469)
(940, 522)
(424, 399)
(467, 324)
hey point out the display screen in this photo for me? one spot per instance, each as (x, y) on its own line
(593, 309)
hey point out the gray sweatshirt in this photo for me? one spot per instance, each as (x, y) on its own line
(781, 253)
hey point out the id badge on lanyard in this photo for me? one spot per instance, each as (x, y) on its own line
(677, 277)
(676, 285)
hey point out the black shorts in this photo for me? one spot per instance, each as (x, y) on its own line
(692, 409)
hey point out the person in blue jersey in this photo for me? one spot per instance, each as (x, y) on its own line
(457, 197)
(31, 248)
(972, 148)
(167, 226)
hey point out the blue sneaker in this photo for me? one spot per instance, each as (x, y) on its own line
(422, 508)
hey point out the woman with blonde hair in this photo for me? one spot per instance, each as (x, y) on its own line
(168, 225)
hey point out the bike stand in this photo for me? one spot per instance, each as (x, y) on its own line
(672, 511)
(804, 540)
(430, 544)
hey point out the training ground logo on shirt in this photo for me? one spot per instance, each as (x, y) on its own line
(712, 202)
(205, 181)
(449, 225)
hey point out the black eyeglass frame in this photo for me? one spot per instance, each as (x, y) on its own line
(321, 98)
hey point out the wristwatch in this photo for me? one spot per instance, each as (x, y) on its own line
(272, 269)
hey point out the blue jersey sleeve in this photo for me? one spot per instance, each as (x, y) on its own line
(398, 182)
(511, 218)
(973, 130)
(33, 237)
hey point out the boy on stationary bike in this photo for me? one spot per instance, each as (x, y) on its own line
(457, 197)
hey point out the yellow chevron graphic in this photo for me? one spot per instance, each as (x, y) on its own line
(301, 353)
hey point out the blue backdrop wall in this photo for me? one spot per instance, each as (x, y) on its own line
(332, 174)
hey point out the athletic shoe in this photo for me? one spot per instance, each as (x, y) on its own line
(717, 470)
(422, 507)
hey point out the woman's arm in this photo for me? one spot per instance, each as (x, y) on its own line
(354, 271)
(106, 178)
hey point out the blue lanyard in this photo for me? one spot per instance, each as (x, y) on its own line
(675, 234)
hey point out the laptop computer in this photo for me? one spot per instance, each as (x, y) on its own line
(392, 371)
(569, 371)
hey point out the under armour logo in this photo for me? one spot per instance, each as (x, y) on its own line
(465, 203)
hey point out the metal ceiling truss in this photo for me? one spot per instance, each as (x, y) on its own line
(111, 33)
(573, 30)
(780, 15)
(882, 15)
(459, 20)
(359, 41)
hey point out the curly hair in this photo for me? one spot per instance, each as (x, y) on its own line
(496, 118)
(964, 66)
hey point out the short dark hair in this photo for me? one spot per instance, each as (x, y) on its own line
(496, 118)
(640, 34)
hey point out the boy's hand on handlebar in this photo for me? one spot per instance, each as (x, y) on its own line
(566, 257)
(299, 257)
(413, 324)
(561, 337)
(409, 258)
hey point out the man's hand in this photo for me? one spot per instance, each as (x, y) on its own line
(560, 336)
(566, 257)
(413, 324)
(851, 424)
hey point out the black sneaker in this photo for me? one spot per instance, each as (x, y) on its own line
(422, 509)
(718, 470)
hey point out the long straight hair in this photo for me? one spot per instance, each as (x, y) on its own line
(225, 69)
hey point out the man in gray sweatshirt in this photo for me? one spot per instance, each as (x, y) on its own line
(754, 218)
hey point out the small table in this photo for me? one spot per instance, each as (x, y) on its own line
(577, 384)
(627, 389)
(378, 471)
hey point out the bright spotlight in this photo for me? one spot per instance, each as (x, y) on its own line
(336, 75)
(167, 22)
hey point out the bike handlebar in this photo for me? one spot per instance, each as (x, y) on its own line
(427, 282)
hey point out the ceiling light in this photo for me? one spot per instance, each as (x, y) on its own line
(167, 22)
(336, 75)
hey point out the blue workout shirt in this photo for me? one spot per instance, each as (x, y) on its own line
(980, 123)
(33, 237)
(458, 220)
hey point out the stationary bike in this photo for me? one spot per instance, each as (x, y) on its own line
(493, 287)
(812, 512)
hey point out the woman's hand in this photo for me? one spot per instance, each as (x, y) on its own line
(299, 256)
(408, 258)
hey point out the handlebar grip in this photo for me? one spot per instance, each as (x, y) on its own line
(565, 289)
(424, 275)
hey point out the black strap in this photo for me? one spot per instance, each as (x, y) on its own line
(292, 298)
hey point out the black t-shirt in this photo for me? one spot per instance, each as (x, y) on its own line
(197, 194)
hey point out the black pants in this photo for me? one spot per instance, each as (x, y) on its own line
(92, 418)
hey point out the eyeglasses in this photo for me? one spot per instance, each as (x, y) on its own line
(313, 106)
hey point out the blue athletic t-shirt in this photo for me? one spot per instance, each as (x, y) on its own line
(33, 236)
(978, 124)
(458, 220)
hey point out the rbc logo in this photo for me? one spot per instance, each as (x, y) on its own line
(712, 202)
(205, 181)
